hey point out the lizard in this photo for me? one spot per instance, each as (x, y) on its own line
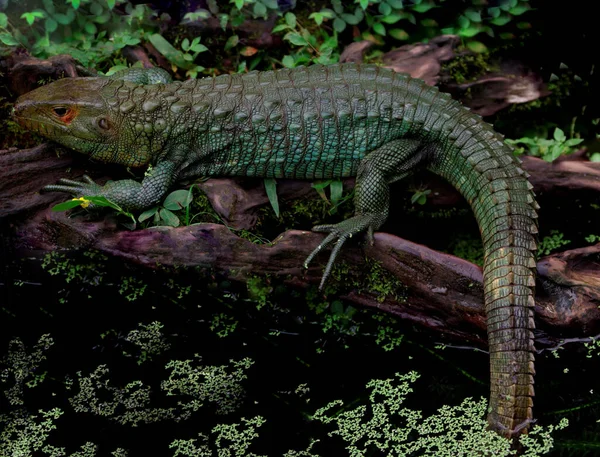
(318, 122)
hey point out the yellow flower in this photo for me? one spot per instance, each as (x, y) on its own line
(84, 202)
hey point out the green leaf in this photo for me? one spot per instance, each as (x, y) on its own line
(518, 10)
(259, 10)
(102, 19)
(364, 4)
(8, 39)
(595, 157)
(64, 19)
(3, 20)
(501, 20)
(474, 16)
(494, 11)
(198, 48)
(239, 4)
(111, 4)
(559, 135)
(96, 9)
(166, 49)
(147, 214)
(385, 9)
(391, 19)
(339, 25)
(295, 38)
(379, 28)
(271, 188)
(350, 18)
(290, 19)
(396, 4)
(75, 3)
(423, 7)
(51, 25)
(90, 28)
(573, 142)
(177, 200)
(336, 189)
(288, 62)
(477, 46)
(464, 22)
(169, 218)
(65, 206)
(399, 34)
(31, 17)
(317, 17)
(232, 42)
(469, 31)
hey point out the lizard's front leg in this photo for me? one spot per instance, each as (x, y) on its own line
(389, 163)
(127, 193)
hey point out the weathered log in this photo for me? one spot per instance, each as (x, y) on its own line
(443, 292)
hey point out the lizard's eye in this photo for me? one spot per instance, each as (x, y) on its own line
(60, 111)
(104, 123)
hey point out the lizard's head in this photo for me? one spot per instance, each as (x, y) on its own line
(75, 113)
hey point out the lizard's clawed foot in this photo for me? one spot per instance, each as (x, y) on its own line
(75, 188)
(341, 232)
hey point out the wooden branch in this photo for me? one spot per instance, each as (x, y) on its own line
(443, 292)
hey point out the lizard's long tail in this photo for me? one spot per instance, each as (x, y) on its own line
(483, 168)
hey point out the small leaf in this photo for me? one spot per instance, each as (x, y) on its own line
(8, 39)
(271, 188)
(290, 19)
(501, 20)
(474, 16)
(350, 19)
(169, 218)
(232, 42)
(3, 20)
(111, 4)
(90, 28)
(469, 31)
(177, 200)
(518, 10)
(65, 206)
(595, 157)
(288, 62)
(259, 10)
(379, 28)
(391, 19)
(51, 25)
(147, 214)
(295, 38)
(477, 46)
(317, 17)
(336, 189)
(399, 34)
(559, 135)
(248, 51)
(339, 25)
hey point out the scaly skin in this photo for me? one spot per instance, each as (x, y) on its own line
(319, 123)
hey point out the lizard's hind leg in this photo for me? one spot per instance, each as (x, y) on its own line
(382, 166)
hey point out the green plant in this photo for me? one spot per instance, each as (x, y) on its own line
(94, 202)
(551, 243)
(384, 425)
(163, 215)
(89, 30)
(547, 149)
(185, 58)
(315, 47)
